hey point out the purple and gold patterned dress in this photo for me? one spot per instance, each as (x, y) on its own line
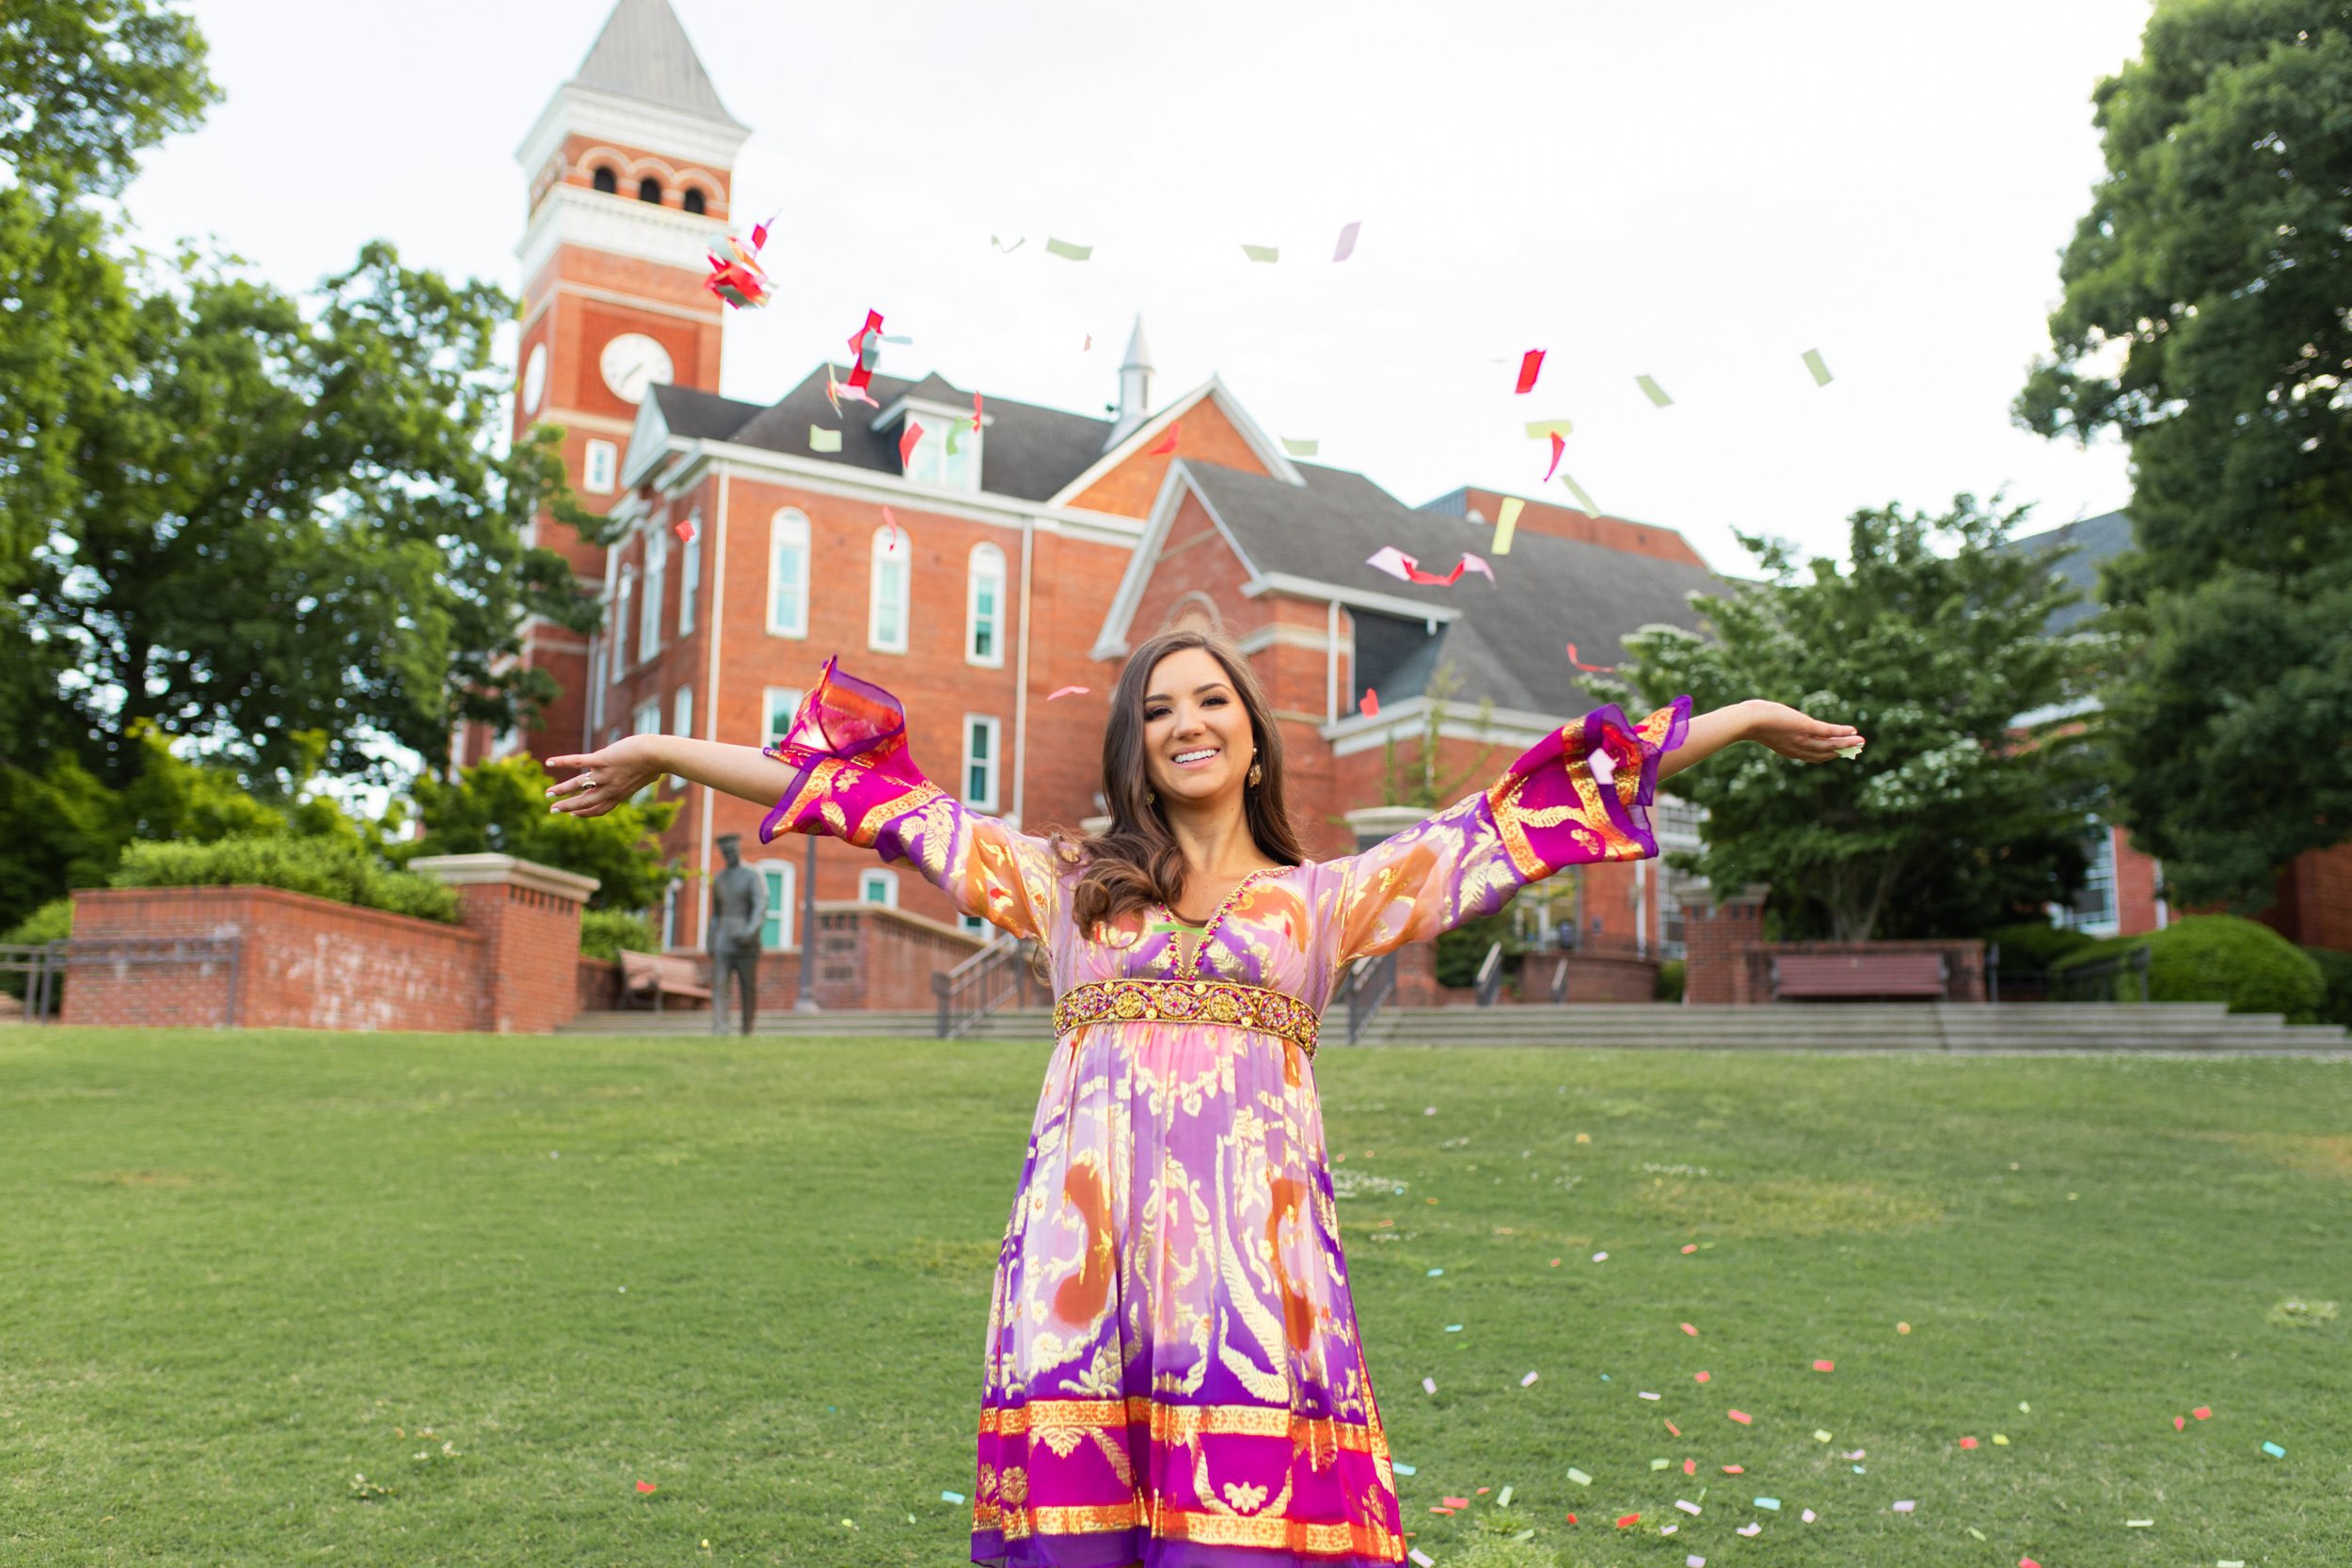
(1173, 1376)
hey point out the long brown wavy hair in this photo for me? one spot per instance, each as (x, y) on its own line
(1137, 863)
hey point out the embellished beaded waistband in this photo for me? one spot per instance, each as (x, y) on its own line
(1269, 1012)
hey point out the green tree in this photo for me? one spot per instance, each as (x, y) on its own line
(1947, 823)
(501, 807)
(1425, 785)
(2203, 321)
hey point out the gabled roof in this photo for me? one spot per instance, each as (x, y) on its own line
(2102, 537)
(1148, 430)
(701, 416)
(644, 53)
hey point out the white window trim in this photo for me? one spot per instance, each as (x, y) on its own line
(887, 880)
(974, 577)
(619, 626)
(768, 695)
(789, 520)
(690, 579)
(649, 709)
(788, 905)
(895, 546)
(649, 601)
(601, 457)
(996, 762)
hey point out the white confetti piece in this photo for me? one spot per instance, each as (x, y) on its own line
(1578, 1477)
(1694, 1563)
(1686, 1506)
(1806, 1515)
(1751, 1527)
(1424, 1558)
(1600, 1258)
(1527, 1382)
(1905, 1506)
(2140, 1524)
(1429, 1385)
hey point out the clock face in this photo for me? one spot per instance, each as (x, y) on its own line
(535, 378)
(631, 362)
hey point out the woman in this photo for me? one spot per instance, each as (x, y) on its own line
(1174, 1372)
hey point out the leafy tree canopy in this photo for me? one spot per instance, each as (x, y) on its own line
(2203, 320)
(501, 807)
(1947, 822)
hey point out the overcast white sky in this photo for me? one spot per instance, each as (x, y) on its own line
(1698, 193)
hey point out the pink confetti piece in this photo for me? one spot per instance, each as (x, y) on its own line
(1600, 1258)
(1603, 670)
(862, 352)
(1694, 1563)
(1648, 1396)
(1348, 242)
(644, 1486)
(1166, 446)
(1527, 1382)
(1559, 447)
(1690, 1466)
(1806, 1515)
(1691, 1331)
(2027, 1562)
(890, 520)
(976, 413)
(1905, 1505)
(1368, 703)
(1693, 1246)
(1826, 1366)
(684, 528)
(1455, 1502)
(1741, 1417)
(1531, 366)
(1686, 1506)
(1749, 1529)
(2203, 1413)
(1429, 1385)
(1061, 691)
(1671, 1427)
(1967, 1442)
(908, 442)
(1735, 1469)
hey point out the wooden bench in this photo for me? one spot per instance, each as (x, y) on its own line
(1838, 976)
(656, 975)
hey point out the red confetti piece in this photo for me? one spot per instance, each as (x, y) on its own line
(1531, 366)
(1690, 1466)
(1166, 444)
(1368, 703)
(1571, 1518)
(1967, 1442)
(736, 276)
(1603, 670)
(684, 528)
(1484, 1490)
(1741, 1417)
(1693, 1246)
(1060, 692)
(862, 351)
(1558, 446)
(1627, 1521)
(2179, 1422)
(1735, 1469)
(890, 521)
(1826, 1366)
(2204, 1412)
(976, 413)
(2027, 1562)
(1671, 1427)
(1406, 568)
(908, 442)
(1699, 1377)
(1455, 1502)
(644, 1486)
(1691, 1331)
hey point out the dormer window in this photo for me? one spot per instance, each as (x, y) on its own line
(605, 181)
(650, 189)
(693, 200)
(949, 455)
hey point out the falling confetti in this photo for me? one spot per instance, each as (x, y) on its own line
(1602, 670)
(736, 276)
(1507, 523)
(1653, 391)
(863, 350)
(1531, 366)
(1261, 252)
(890, 520)
(1301, 447)
(1348, 242)
(908, 442)
(821, 439)
(1368, 703)
(1814, 362)
(1166, 444)
(1059, 692)
(1558, 447)
(1406, 568)
(684, 528)
(1008, 249)
(1067, 251)
(1582, 500)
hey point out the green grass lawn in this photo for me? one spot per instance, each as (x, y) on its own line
(506, 1280)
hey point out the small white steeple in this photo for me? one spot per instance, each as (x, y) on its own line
(1135, 385)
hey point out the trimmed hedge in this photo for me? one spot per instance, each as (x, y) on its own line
(604, 932)
(2217, 958)
(2335, 972)
(323, 867)
(2037, 944)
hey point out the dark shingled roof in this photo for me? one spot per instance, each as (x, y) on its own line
(643, 52)
(701, 416)
(1027, 453)
(1510, 643)
(2107, 535)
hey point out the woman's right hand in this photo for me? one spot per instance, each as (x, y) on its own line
(606, 777)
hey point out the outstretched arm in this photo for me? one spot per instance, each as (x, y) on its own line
(1774, 725)
(608, 777)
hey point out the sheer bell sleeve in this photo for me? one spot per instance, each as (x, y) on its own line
(1580, 795)
(856, 783)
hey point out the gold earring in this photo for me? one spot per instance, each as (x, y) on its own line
(1151, 798)
(1257, 772)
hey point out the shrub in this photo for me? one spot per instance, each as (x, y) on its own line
(604, 932)
(1461, 950)
(2037, 943)
(325, 867)
(1670, 976)
(51, 922)
(2218, 957)
(2335, 973)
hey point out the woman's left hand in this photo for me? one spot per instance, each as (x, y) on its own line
(1783, 729)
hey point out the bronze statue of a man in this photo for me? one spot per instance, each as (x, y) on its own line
(738, 906)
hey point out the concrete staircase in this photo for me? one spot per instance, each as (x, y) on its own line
(2188, 1026)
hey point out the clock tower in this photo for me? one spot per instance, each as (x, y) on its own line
(629, 168)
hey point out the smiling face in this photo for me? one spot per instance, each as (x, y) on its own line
(1196, 741)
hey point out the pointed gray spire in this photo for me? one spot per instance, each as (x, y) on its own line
(643, 52)
(1135, 385)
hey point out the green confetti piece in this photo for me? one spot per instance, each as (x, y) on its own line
(951, 1496)
(1659, 1464)
(2274, 1451)
(1772, 1503)
(1653, 391)
(1820, 1436)
(952, 427)
(1067, 251)
(1301, 448)
(1435, 1273)
(1403, 1469)
(1577, 491)
(1578, 1477)
(821, 439)
(1814, 362)
(1504, 1498)
(1454, 1328)
(1974, 1531)
(1261, 252)
(1538, 430)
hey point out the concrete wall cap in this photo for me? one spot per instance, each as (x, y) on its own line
(469, 870)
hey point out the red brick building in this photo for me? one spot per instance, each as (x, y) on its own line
(997, 565)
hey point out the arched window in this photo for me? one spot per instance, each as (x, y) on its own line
(650, 189)
(887, 607)
(605, 181)
(694, 201)
(776, 931)
(984, 609)
(788, 574)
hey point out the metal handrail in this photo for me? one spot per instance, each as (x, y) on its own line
(2093, 982)
(1560, 983)
(1490, 975)
(998, 974)
(46, 963)
(1370, 983)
